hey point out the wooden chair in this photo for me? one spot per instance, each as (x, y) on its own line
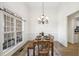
(43, 48)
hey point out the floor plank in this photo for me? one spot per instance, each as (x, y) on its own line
(71, 50)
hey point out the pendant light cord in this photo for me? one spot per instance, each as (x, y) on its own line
(43, 7)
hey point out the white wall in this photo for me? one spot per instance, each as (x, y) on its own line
(22, 10)
(65, 10)
(36, 12)
(71, 27)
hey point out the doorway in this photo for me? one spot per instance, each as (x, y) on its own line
(73, 33)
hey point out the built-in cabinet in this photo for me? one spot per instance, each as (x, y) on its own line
(11, 30)
(76, 30)
(9, 39)
(18, 31)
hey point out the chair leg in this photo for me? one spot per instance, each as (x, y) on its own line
(27, 52)
(34, 51)
(52, 49)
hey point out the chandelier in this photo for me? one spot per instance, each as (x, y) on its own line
(43, 19)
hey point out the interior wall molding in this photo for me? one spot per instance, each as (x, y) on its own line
(12, 13)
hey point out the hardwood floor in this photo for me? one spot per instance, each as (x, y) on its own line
(59, 50)
(71, 50)
(23, 52)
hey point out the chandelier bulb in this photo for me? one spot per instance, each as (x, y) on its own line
(42, 16)
(46, 17)
(39, 19)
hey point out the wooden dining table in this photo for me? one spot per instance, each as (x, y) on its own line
(37, 42)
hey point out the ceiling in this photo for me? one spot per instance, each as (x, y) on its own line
(45, 3)
(53, 4)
